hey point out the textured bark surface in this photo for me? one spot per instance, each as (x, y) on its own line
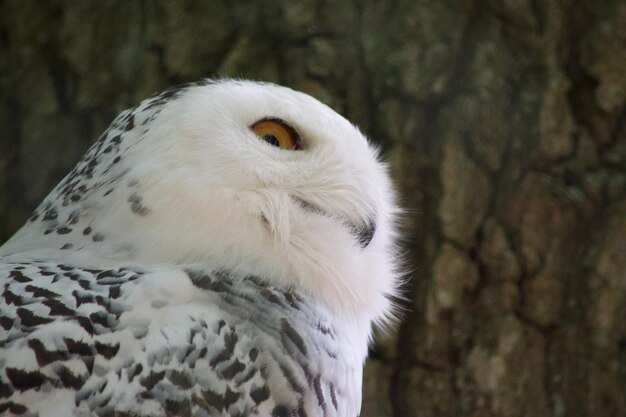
(504, 122)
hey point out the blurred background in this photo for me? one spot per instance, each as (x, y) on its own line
(505, 126)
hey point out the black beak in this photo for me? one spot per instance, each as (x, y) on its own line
(363, 232)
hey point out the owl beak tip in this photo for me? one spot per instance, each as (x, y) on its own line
(363, 231)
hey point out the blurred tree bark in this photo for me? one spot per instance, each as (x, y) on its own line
(505, 126)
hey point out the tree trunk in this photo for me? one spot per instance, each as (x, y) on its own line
(505, 126)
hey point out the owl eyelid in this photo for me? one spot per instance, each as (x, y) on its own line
(293, 133)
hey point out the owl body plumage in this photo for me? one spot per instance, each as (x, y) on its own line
(188, 267)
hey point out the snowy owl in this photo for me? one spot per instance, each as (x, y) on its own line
(223, 249)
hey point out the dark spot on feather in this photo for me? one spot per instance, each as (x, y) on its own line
(41, 292)
(258, 282)
(205, 282)
(87, 230)
(91, 165)
(254, 352)
(162, 98)
(73, 217)
(57, 308)
(233, 369)
(81, 298)
(130, 122)
(67, 246)
(230, 397)
(152, 379)
(180, 379)
(270, 296)
(103, 385)
(318, 391)
(139, 209)
(188, 351)
(63, 230)
(5, 390)
(98, 237)
(291, 378)
(69, 379)
(99, 318)
(108, 351)
(6, 322)
(19, 276)
(213, 399)
(89, 361)
(292, 299)
(135, 371)
(44, 356)
(107, 273)
(293, 335)
(230, 340)
(325, 330)
(281, 411)
(101, 301)
(260, 394)
(72, 275)
(333, 397)
(24, 380)
(12, 298)
(76, 347)
(29, 319)
(114, 291)
(203, 353)
(13, 408)
(178, 408)
(85, 323)
(50, 214)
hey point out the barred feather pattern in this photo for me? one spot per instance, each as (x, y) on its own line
(125, 342)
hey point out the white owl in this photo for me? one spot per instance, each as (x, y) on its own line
(222, 250)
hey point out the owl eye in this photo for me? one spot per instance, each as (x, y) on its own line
(277, 133)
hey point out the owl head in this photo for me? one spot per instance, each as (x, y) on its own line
(248, 177)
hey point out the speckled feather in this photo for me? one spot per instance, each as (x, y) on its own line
(125, 342)
(95, 174)
(184, 267)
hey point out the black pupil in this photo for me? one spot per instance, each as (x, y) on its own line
(271, 139)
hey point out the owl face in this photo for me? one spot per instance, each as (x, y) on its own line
(253, 178)
(283, 155)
